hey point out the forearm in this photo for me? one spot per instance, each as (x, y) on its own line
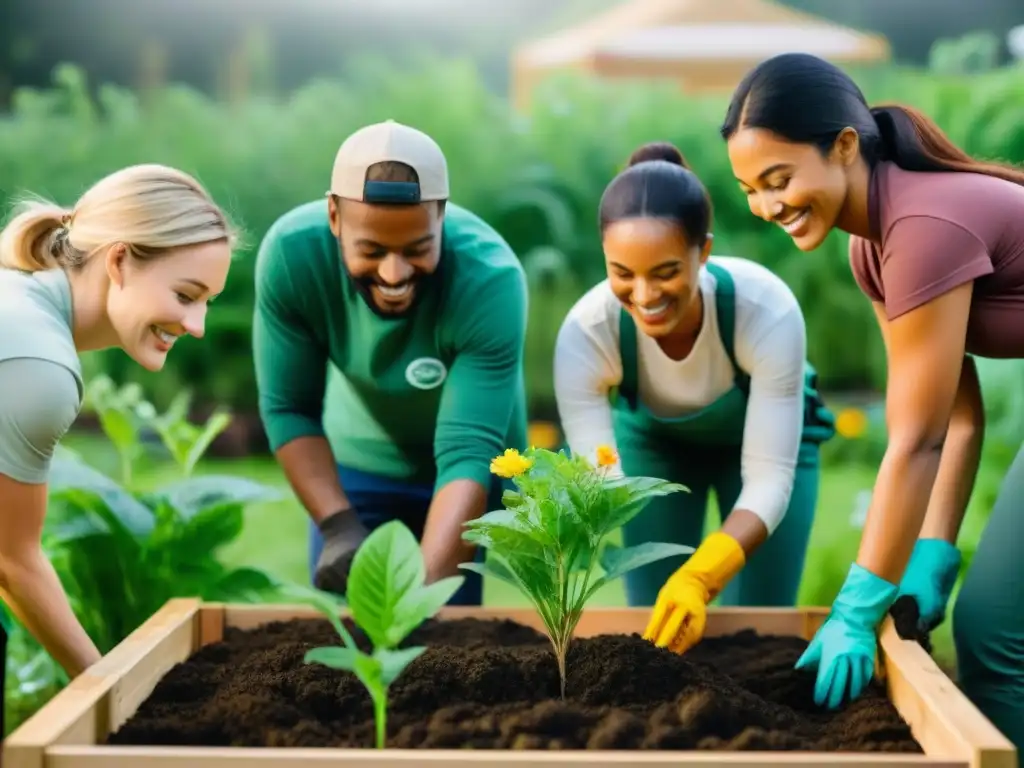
(961, 455)
(35, 595)
(453, 505)
(897, 510)
(954, 484)
(309, 465)
(747, 528)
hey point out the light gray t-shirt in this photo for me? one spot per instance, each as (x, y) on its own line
(41, 383)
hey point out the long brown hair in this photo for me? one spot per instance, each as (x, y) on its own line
(808, 100)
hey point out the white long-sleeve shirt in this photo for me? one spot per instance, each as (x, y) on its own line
(770, 346)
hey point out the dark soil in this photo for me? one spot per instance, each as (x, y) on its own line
(494, 685)
(905, 616)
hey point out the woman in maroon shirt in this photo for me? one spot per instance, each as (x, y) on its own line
(938, 247)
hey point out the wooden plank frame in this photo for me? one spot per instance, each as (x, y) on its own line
(69, 730)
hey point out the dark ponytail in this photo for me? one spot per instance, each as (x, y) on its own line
(808, 100)
(914, 142)
(659, 184)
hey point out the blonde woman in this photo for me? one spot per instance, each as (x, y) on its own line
(132, 265)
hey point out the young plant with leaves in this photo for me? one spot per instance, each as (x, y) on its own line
(551, 535)
(388, 599)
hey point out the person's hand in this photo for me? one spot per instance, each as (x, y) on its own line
(342, 534)
(843, 650)
(680, 613)
(929, 579)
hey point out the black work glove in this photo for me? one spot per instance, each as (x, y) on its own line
(342, 534)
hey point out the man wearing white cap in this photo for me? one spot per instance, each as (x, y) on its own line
(388, 342)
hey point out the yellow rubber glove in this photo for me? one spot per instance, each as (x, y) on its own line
(681, 610)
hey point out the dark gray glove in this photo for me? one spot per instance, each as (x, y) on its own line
(342, 534)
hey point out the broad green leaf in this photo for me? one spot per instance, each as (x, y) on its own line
(333, 656)
(394, 661)
(618, 561)
(418, 605)
(211, 528)
(508, 537)
(193, 494)
(386, 567)
(640, 491)
(78, 476)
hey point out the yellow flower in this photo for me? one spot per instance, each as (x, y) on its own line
(606, 456)
(851, 423)
(510, 464)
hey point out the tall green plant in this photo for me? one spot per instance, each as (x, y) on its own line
(550, 538)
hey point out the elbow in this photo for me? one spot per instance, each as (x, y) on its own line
(284, 425)
(18, 565)
(910, 444)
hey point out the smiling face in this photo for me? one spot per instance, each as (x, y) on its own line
(388, 250)
(794, 185)
(154, 302)
(654, 272)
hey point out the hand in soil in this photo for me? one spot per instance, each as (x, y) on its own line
(929, 579)
(495, 685)
(907, 618)
(680, 612)
(342, 534)
(843, 650)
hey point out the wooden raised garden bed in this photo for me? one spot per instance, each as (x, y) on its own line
(731, 701)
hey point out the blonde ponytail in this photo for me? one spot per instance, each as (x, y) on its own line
(28, 241)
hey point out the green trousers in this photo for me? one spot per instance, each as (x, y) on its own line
(771, 576)
(988, 619)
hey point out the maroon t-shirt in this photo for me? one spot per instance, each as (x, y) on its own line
(935, 231)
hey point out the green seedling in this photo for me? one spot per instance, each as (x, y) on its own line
(388, 599)
(550, 536)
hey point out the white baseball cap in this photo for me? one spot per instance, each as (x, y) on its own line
(392, 141)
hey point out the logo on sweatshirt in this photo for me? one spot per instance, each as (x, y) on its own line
(426, 373)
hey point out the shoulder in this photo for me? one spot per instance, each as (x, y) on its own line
(935, 231)
(35, 319)
(596, 311)
(760, 292)
(304, 232)
(477, 252)
(592, 323)
(936, 203)
(484, 281)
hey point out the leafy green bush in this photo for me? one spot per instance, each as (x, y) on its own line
(121, 552)
(537, 178)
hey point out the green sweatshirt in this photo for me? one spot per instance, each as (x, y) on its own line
(431, 397)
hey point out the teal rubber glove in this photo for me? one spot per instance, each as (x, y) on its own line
(930, 578)
(843, 650)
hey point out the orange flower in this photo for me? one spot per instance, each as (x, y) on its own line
(606, 456)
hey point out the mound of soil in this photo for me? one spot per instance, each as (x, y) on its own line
(494, 685)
